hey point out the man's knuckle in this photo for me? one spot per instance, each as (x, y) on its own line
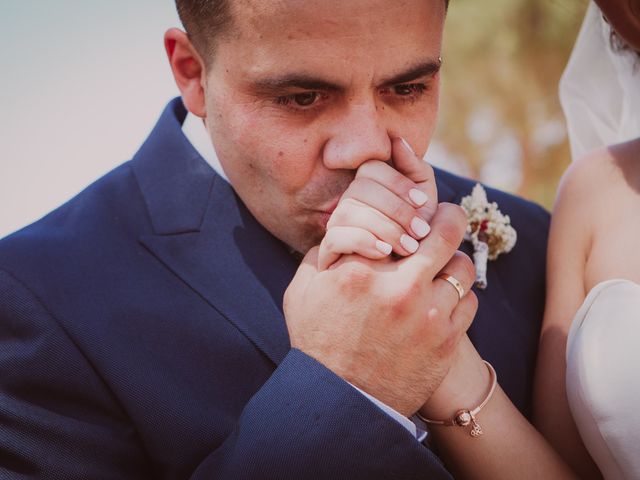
(434, 315)
(408, 292)
(400, 299)
(355, 274)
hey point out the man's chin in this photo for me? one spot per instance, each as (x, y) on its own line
(311, 237)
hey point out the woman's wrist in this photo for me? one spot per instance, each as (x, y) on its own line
(465, 386)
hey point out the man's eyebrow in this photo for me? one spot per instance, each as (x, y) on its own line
(308, 82)
(426, 69)
(304, 82)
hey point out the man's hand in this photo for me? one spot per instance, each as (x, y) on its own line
(389, 328)
(386, 208)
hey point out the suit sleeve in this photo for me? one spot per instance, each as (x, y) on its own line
(306, 422)
(57, 419)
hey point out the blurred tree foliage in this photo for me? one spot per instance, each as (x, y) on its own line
(503, 60)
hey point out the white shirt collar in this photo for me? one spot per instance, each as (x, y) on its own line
(194, 129)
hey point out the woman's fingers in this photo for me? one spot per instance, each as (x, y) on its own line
(416, 169)
(385, 206)
(347, 240)
(379, 198)
(353, 213)
(401, 185)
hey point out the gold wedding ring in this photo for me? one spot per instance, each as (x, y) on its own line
(453, 281)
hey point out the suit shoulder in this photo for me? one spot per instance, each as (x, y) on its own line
(70, 228)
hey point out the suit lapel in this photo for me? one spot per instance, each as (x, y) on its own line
(445, 192)
(205, 235)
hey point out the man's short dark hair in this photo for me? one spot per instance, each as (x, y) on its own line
(206, 20)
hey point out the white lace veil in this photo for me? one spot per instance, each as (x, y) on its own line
(600, 89)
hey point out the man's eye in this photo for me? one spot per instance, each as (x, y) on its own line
(409, 89)
(305, 99)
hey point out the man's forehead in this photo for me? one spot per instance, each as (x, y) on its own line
(340, 39)
(330, 17)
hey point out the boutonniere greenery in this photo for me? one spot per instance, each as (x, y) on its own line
(488, 230)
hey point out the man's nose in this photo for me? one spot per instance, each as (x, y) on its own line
(361, 135)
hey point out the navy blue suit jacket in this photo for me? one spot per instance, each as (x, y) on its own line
(142, 336)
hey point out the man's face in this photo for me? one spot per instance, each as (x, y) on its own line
(308, 90)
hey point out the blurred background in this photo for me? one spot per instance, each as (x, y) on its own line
(501, 120)
(73, 70)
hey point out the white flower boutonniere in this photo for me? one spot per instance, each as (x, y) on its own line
(488, 230)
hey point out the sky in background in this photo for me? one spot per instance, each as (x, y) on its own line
(82, 83)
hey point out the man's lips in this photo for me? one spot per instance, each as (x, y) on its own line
(325, 212)
(331, 207)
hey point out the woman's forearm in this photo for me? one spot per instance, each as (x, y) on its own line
(509, 446)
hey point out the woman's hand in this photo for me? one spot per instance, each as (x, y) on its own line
(385, 209)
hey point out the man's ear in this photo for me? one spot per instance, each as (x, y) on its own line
(188, 70)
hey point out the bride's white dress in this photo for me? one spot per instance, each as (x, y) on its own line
(603, 377)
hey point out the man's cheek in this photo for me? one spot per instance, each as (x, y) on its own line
(289, 165)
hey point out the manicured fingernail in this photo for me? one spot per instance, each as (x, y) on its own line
(409, 244)
(407, 146)
(383, 247)
(420, 227)
(418, 197)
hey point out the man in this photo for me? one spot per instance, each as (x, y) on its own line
(141, 325)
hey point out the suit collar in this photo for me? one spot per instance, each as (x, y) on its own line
(175, 181)
(196, 132)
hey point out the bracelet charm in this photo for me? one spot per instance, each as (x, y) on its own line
(464, 418)
(476, 431)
